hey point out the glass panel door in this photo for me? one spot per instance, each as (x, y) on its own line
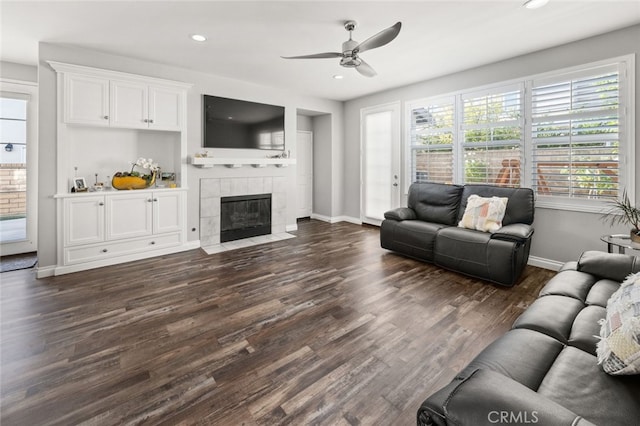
(17, 133)
(380, 161)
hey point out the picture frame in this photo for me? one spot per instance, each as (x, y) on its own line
(79, 184)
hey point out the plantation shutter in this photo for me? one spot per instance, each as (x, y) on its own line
(492, 136)
(575, 134)
(431, 141)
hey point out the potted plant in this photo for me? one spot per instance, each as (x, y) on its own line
(623, 212)
(135, 180)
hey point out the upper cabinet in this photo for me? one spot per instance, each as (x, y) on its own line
(87, 100)
(113, 99)
(141, 106)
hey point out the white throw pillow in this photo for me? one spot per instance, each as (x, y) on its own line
(619, 346)
(484, 214)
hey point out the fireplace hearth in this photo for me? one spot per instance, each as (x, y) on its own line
(245, 216)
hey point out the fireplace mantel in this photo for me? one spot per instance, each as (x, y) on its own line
(234, 162)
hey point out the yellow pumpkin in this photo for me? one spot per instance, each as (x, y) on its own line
(132, 182)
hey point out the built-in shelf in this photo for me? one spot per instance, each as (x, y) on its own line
(208, 162)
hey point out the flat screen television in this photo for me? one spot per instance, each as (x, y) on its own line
(232, 123)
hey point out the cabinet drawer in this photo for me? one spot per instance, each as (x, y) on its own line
(96, 252)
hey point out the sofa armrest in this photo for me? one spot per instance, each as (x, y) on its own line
(608, 265)
(401, 213)
(517, 232)
(489, 398)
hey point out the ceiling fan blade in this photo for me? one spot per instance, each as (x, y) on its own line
(380, 39)
(316, 56)
(365, 69)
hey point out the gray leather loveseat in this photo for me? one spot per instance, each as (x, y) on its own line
(427, 230)
(545, 370)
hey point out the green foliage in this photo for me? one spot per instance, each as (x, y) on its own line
(475, 171)
(623, 212)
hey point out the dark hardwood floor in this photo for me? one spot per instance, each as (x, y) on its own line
(326, 328)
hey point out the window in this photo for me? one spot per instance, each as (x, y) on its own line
(575, 135)
(492, 136)
(431, 141)
(565, 134)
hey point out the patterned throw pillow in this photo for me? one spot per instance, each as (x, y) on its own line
(619, 346)
(484, 214)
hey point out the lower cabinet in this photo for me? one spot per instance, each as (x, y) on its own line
(120, 225)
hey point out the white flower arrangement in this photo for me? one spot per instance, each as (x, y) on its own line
(145, 163)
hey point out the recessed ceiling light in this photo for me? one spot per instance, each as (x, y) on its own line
(338, 77)
(198, 37)
(534, 4)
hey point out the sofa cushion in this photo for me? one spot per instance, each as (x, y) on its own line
(414, 238)
(435, 202)
(463, 250)
(585, 329)
(511, 356)
(483, 214)
(521, 206)
(576, 382)
(619, 349)
(551, 315)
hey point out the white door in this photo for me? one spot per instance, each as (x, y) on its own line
(380, 161)
(19, 158)
(304, 164)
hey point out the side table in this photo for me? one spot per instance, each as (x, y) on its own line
(622, 241)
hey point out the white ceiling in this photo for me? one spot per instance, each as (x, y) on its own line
(247, 38)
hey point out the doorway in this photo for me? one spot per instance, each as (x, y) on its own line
(18, 167)
(304, 166)
(380, 161)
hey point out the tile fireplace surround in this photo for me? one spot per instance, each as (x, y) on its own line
(212, 189)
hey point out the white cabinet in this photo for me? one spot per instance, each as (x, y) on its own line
(86, 100)
(167, 212)
(129, 104)
(84, 220)
(115, 227)
(140, 106)
(129, 216)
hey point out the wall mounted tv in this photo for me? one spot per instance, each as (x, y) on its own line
(232, 123)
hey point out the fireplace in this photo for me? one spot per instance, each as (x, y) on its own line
(244, 216)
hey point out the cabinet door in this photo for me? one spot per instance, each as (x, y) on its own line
(165, 108)
(129, 216)
(84, 220)
(86, 100)
(167, 214)
(129, 103)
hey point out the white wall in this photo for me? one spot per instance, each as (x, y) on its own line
(560, 235)
(13, 71)
(202, 84)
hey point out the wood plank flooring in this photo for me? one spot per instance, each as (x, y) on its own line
(326, 328)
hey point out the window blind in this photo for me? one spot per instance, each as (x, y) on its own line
(492, 136)
(575, 135)
(431, 141)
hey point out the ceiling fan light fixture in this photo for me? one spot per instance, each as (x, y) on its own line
(535, 4)
(198, 37)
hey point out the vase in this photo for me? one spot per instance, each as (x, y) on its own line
(132, 182)
(635, 236)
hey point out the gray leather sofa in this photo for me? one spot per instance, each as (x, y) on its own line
(427, 230)
(544, 370)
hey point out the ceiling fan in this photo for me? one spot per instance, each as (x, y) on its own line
(351, 49)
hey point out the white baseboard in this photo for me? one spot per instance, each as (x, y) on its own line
(543, 263)
(45, 271)
(291, 228)
(336, 219)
